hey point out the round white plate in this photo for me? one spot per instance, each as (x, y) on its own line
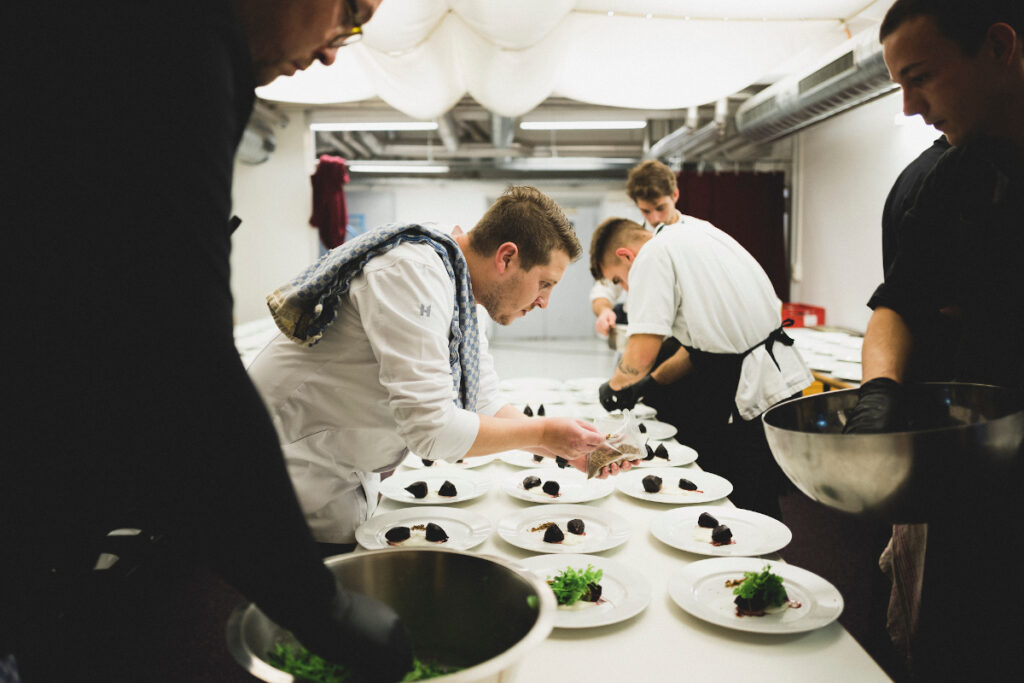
(603, 529)
(468, 485)
(658, 430)
(416, 462)
(585, 384)
(709, 486)
(678, 454)
(465, 529)
(699, 588)
(596, 413)
(529, 384)
(752, 532)
(535, 398)
(624, 592)
(574, 487)
(525, 459)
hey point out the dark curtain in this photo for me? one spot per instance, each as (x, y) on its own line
(330, 215)
(748, 206)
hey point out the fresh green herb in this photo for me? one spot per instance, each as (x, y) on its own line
(306, 666)
(572, 585)
(761, 590)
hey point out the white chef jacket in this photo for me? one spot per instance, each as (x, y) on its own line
(377, 385)
(605, 289)
(720, 301)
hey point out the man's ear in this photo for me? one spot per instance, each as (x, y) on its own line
(504, 255)
(626, 254)
(675, 196)
(1003, 42)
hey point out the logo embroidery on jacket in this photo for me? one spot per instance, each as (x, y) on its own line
(425, 310)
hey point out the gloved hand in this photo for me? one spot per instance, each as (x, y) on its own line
(363, 634)
(879, 408)
(626, 397)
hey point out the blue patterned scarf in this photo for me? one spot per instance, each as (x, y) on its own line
(305, 307)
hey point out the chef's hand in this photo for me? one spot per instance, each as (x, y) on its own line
(605, 322)
(878, 409)
(613, 469)
(363, 634)
(567, 438)
(626, 397)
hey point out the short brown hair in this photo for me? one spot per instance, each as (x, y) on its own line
(611, 234)
(532, 221)
(650, 180)
(965, 22)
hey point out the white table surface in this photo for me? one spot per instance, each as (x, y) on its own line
(665, 643)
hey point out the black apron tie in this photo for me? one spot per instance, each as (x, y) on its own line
(778, 335)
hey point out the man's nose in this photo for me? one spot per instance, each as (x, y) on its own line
(542, 301)
(912, 104)
(326, 55)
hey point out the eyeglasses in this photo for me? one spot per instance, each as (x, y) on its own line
(354, 34)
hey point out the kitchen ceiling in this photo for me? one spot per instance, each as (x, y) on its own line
(477, 70)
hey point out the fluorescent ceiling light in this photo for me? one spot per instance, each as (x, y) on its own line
(582, 125)
(374, 125)
(364, 167)
(567, 163)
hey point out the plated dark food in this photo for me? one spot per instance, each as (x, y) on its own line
(528, 411)
(427, 463)
(447, 489)
(707, 521)
(576, 526)
(538, 458)
(530, 482)
(540, 410)
(397, 534)
(687, 485)
(417, 489)
(758, 592)
(650, 452)
(435, 533)
(642, 427)
(551, 488)
(661, 451)
(721, 535)
(561, 462)
(553, 534)
(652, 483)
(575, 585)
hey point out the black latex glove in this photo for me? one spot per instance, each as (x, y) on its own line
(879, 408)
(626, 397)
(363, 634)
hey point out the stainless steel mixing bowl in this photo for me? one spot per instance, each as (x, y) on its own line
(477, 612)
(962, 443)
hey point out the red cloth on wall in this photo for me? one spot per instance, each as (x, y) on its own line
(329, 213)
(748, 206)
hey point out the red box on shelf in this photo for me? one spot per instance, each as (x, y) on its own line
(803, 315)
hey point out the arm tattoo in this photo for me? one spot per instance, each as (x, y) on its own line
(627, 369)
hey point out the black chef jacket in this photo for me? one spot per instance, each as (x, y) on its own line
(126, 404)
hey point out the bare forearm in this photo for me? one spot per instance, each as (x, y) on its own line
(637, 360)
(887, 346)
(674, 368)
(600, 305)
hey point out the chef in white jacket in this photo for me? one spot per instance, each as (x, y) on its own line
(392, 365)
(697, 284)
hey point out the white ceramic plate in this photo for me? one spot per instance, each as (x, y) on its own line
(603, 529)
(525, 459)
(574, 487)
(465, 529)
(624, 592)
(529, 384)
(468, 485)
(658, 430)
(678, 454)
(752, 532)
(535, 398)
(709, 486)
(699, 588)
(416, 462)
(585, 384)
(596, 413)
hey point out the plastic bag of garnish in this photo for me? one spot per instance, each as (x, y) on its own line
(625, 443)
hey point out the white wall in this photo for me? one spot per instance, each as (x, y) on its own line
(275, 240)
(843, 171)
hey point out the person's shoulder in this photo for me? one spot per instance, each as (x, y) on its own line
(972, 172)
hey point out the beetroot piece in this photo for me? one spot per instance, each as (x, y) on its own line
(561, 462)
(575, 526)
(553, 534)
(652, 483)
(427, 463)
(687, 485)
(436, 533)
(530, 482)
(447, 489)
(538, 458)
(706, 521)
(540, 410)
(721, 534)
(650, 452)
(593, 593)
(397, 534)
(528, 411)
(661, 451)
(418, 489)
(643, 428)
(551, 488)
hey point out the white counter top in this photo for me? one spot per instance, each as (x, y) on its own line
(664, 643)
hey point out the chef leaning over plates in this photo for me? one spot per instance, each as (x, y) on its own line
(697, 284)
(380, 355)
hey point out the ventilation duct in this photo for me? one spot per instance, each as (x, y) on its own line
(852, 74)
